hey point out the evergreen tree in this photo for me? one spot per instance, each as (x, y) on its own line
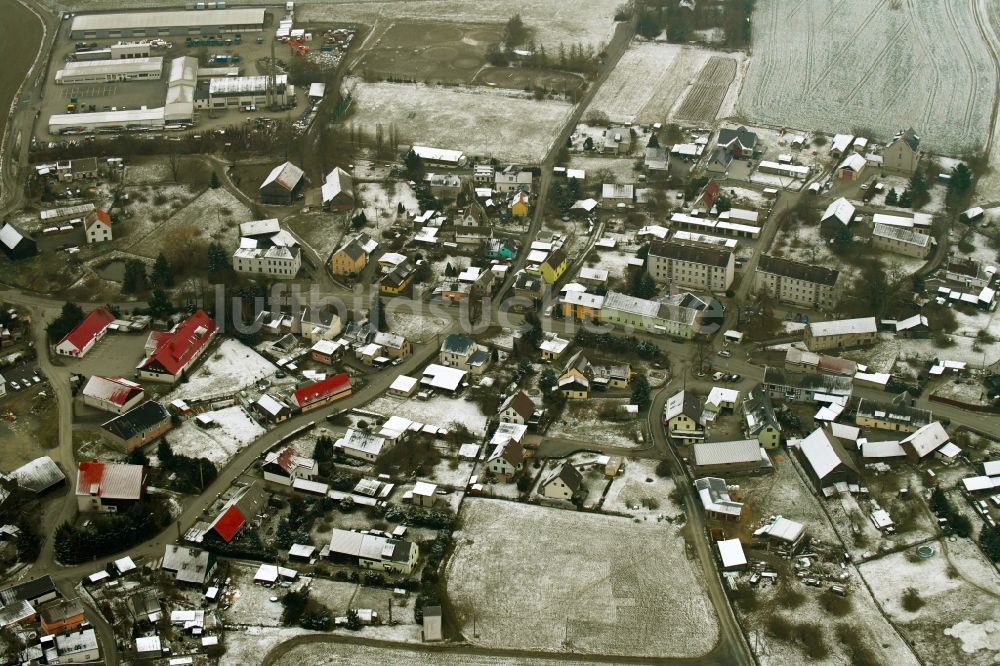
(162, 275)
(919, 190)
(214, 183)
(414, 165)
(906, 199)
(159, 304)
(989, 539)
(547, 380)
(891, 198)
(643, 286)
(217, 257)
(640, 391)
(359, 221)
(67, 320)
(135, 277)
(653, 141)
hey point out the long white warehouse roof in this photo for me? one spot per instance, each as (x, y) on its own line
(131, 116)
(190, 19)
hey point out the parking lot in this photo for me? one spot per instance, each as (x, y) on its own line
(116, 354)
(22, 377)
(86, 92)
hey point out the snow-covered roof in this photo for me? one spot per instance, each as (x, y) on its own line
(974, 483)
(720, 395)
(843, 327)
(821, 452)
(854, 162)
(403, 383)
(783, 529)
(887, 449)
(892, 220)
(927, 439)
(841, 142)
(442, 377)
(842, 209)
(731, 551)
(991, 468)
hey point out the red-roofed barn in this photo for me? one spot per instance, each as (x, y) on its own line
(80, 340)
(112, 394)
(315, 395)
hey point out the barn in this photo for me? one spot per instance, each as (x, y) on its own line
(15, 244)
(282, 185)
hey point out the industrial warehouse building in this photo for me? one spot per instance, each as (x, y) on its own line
(65, 123)
(162, 24)
(106, 71)
(232, 91)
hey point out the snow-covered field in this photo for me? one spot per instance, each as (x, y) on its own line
(550, 579)
(583, 421)
(380, 202)
(347, 654)
(958, 623)
(878, 65)
(639, 491)
(479, 121)
(552, 21)
(234, 430)
(227, 369)
(215, 213)
(439, 410)
(414, 327)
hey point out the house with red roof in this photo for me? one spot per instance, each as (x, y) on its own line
(81, 339)
(317, 394)
(707, 198)
(174, 353)
(287, 465)
(109, 486)
(112, 394)
(97, 224)
(237, 512)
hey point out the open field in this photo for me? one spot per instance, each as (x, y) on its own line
(429, 52)
(702, 102)
(552, 21)
(22, 35)
(214, 216)
(525, 78)
(225, 370)
(344, 654)
(587, 421)
(479, 122)
(880, 65)
(549, 579)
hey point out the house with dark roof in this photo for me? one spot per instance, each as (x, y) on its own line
(352, 257)
(506, 459)
(740, 141)
(806, 386)
(189, 565)
(682, 415)
(282, 185)
(109, 486)
(903, 152)
(398, 279)
(137, 427)
(39, 475)
(554, 266)
(35, 591)
(759, 421)
(528, 286)
(697, 267)
(320, 393)
(112, 394)
(240, 509)
(319, 323)
(563, 482)
(895, 415)
(461, 351)
(806, 285)
(718, 161)
(16, 612)
(517, 408)
(86, 334)
(15, 243)
(178, 350)
(61, 616)
(270, 409)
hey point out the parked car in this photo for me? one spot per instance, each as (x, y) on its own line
(725, 353)
(735, 378)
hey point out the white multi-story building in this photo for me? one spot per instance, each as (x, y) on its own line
(704, 268)
(797, 283)
(901, 241)
(278, 262)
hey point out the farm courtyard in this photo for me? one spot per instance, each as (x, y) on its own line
(536, 578)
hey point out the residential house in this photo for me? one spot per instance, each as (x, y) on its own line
(851, 167)
(614, 194)
(705, 268)
(716, 500)
(679, 316)
(806, 387)
(398, 279)
(743, 456)
(35, 591)
(901, 240)
(554, 266)
(443, 184)
(520, 205)
(506, 460)
(282, 185)
(15, 243)
(137, 427)
(903, 152)
(329, 352)
(739, 141)
(841, 210)
(592, 277)
(563, 482)
(682, 415)
(112, 394)
(553, 347)
(264, 258)
(86, 334)
(807, 361)
(610, 376)
(287, 465)
(483, 174)
(179, 349)
(189, 565)
(444, 378)
(321, 393)
(77, 647)
(574, 382)
(97, 225)
(798, 283)
(373, 551)
(362, 444)
(841, 334)
(924, 441)
(238, 510)
(62, 616)
(460, 351)
(109, 486)
(825, 460)
(338, 190)
(656, 159)
(718, 161)
(393, 345)
(319, 323)
(270, 410)
(968, 271)
(404, 386)
(759, 419)
(352, 257)
(581, 306)
(617, 140)
(895, 416)
(528, 286)
(517, 408)
(512, 180)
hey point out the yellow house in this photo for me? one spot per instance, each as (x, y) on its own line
(581, 306)
(520, 207)
(575, 379)
(554, 266)
(398, 280)
(351, 259)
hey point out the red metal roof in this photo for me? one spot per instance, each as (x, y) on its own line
(113, 389)
(98, 214)
(229, 523)
(92, 325)
(322, 389)
(176, 349)
(110, 481)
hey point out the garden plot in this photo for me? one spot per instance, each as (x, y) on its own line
(603, 584)
(587, 422)
(704, 98)
(414, 327)
(380, 202)
(251, 603)
(589, 22)
(439, 411)
(226, 370)
(604, 169)
(880, 65)
(446, 473)
(956, 619)
(640, 492)
(480, 122)
(232, 431)
(215, 214)
(322, 231)
(642, 70)
(148, 208)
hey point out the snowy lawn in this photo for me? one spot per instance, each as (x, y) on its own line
(347, 654)
(439, 410)
(414, 327)
(148, 208)
(640, 492)
(225, 370)
(380, 202)
(921, 64)
(251, 602)
(584, 421)
(234, 430)
(444, 475)
(478, 121)
(957, 622)
(602, 584)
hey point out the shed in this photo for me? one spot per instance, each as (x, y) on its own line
(732, 555)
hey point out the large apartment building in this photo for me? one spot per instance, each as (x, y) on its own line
(901, 241)
(798, 283)
(841, 334)
(704, 268)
